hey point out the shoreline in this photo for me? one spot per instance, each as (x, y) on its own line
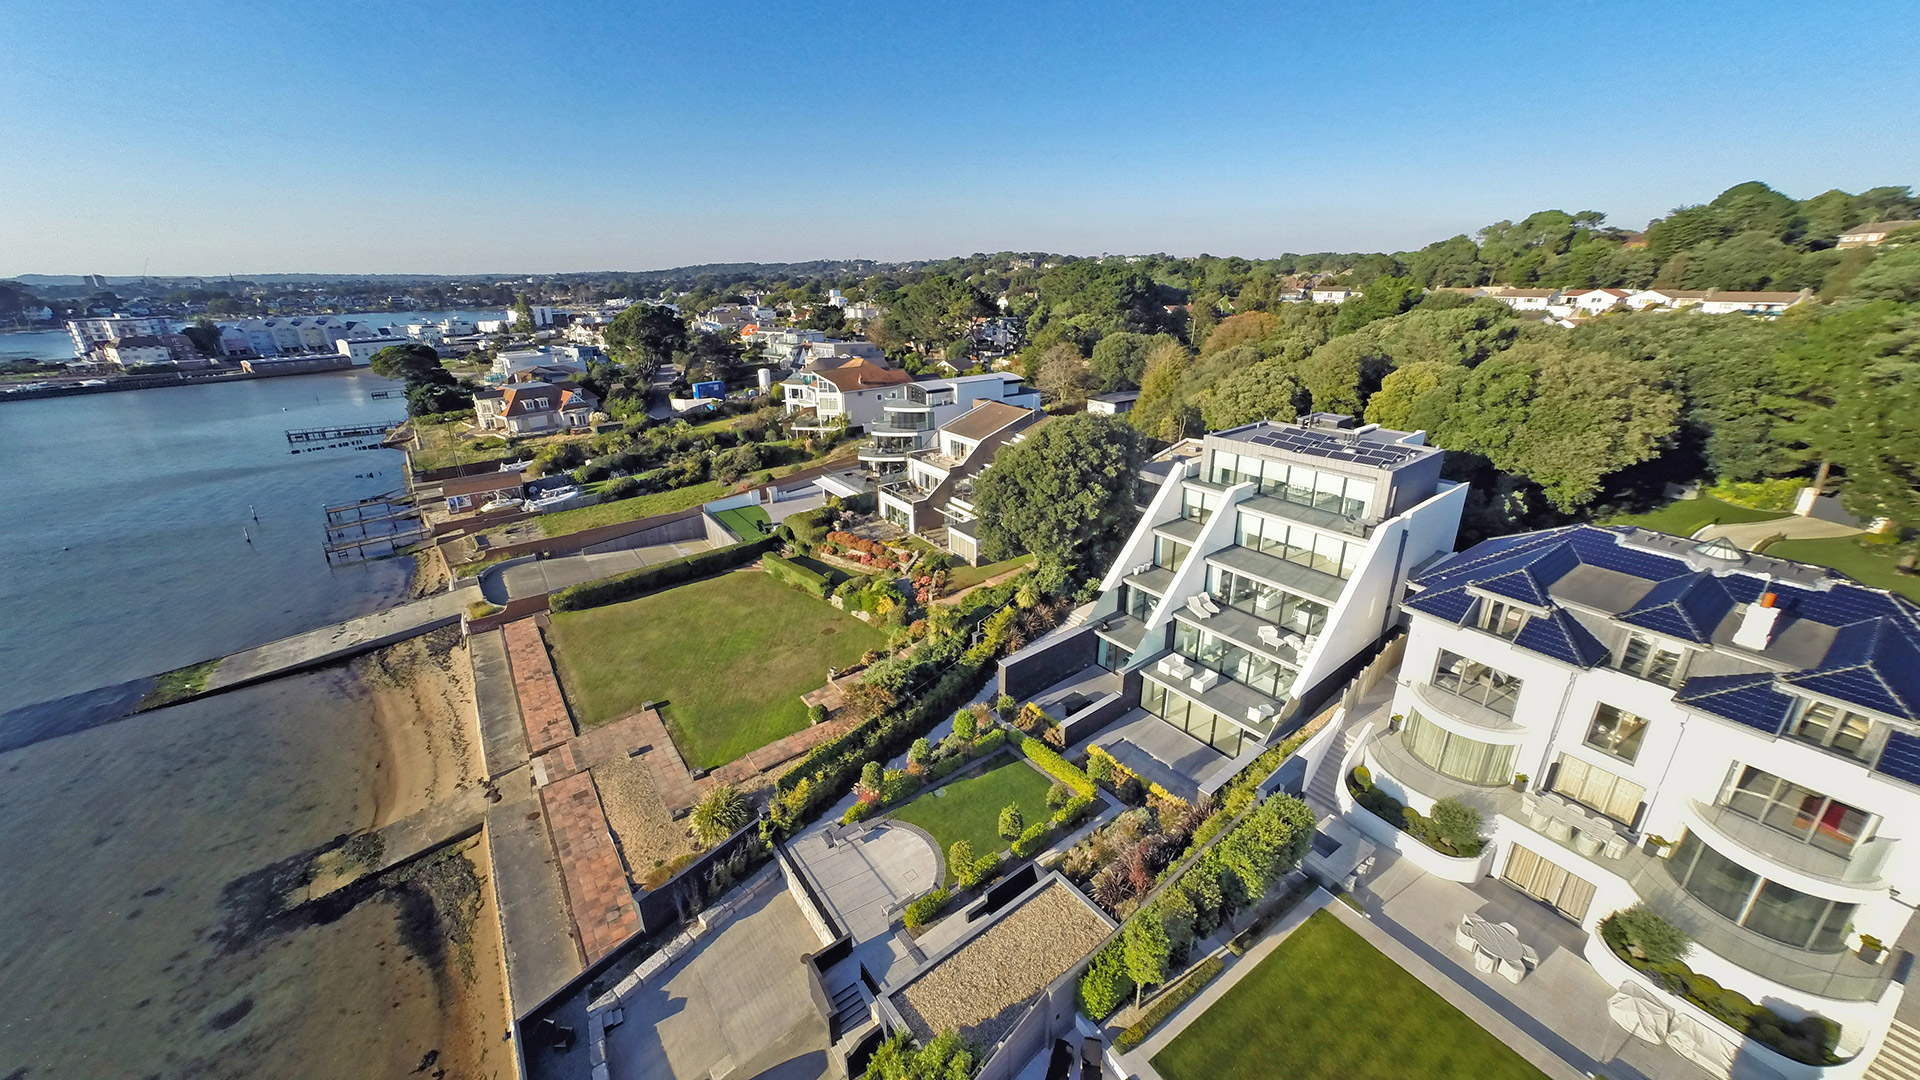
(422, 701)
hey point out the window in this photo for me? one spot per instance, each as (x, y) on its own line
(1595, 787)
(1201, 723)
(1828, 725)
(1463, 759)
(1477, 682)
(1543, 880)
(1298, 544)
(1198, 505)
(1502, 618)
(1807, 815)
(1216, 653)
(1169, 554)
(1264, 602)
(1652, 660)
(1767, 908)
(1616, 732)
(1140, 602)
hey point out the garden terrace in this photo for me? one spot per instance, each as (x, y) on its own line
(983, 985)
(969, 808)
(730, 656)
(1326, 1005)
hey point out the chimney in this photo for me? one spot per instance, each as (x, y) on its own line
(1757, 625)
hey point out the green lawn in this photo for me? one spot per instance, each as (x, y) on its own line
(744, 521)
(1865, 563)
(961, 577)
(639, 506)
(1328, 1006)
(1684, 517)
(969, 809)
(730, 654)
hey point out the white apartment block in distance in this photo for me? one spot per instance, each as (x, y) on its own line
(1265, 566)
(1728, 738)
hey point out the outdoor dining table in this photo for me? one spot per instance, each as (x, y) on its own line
(1497, 941)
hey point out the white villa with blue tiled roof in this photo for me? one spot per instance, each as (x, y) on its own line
(1731, 739)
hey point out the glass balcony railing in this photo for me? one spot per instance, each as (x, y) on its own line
(1862, 867)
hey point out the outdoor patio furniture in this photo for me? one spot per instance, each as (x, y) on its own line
(1513, 973)
(1496, 944)
(1462, 938)
(1482, 960)
(1511, 929)
(1529, 957)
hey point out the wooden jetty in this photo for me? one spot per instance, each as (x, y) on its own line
(372, 527)
(328, 434)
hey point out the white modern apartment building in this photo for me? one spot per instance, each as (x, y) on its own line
(295, 336)
(129, 341)
(933, 494)
(1730, 739)
(542, 316)
(86, 333)
(910, 416)
(1266, 563)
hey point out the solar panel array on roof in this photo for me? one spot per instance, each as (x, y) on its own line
(1901, 758)
(1748, 699)
(1687, 607)
(1315, 444)
(1558, 636)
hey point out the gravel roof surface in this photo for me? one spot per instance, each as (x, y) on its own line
(982, 988)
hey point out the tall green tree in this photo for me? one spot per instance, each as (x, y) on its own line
(1148, 950)
(1269, 390)
(1064, 492)
(646, 336)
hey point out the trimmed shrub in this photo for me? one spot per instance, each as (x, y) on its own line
(991, 741)
(816, 714)
(637, 583)
(873, 777)
(920, 751)
(964, 725)
(1032, 839)
(788, 572)
(1054, 765)
(1058, 795)
(859, 811)
(1644, 934)
(1163, 1006)
(960, 862)
(1012, 822)
(1072, 811)
(925, 910)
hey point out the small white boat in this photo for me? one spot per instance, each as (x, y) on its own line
(501, 504)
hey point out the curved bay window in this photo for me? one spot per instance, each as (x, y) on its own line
(1467, 760)
(1767, 908)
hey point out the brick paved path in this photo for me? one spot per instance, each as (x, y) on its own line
(597, 889)
(541, 705)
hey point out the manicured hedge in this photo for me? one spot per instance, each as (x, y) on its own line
(788, 572)
(1164, 1006)
(1056, 766)
(926, 909)
(637, 583)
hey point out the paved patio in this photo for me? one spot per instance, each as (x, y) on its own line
(1158, 752)
(864, 881)
(736, 1005)
(549, 575)
(1561, 1004)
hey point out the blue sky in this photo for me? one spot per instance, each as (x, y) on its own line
(222, 137)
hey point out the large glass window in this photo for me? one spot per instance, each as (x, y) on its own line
(1831, 726)
(1590, 785)
(1169, 554)
(1616, 732)
(1299, 544)
(1652, 660)
(1347, 496)
(1140, 602)
(1201, 723)
(1464, 759)
(1813, 818)
(1477, 682)
(1544, 880)
(1197, 504)
(1216, 653)
(1263, 601)
(1767, 908)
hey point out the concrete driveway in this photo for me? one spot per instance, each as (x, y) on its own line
(546, 575)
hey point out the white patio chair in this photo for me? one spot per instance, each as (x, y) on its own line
(1462, 937)
(1482, 960)
(1511, 971)
(1529, 957)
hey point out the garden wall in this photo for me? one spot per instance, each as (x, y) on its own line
(1094, 718)
(686, 892)
(1033, 669)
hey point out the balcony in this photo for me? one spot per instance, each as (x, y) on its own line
(1154, 579)
(1276, 571)
(1180, 530)
(906, 491)
(1249, 632)
(1308, 515)
(901, 425)
(873, 451)
(1396, 761)
(1465, 710)
(1842, 976)
(1122, 630)
(1245, 706)
(1862, 870)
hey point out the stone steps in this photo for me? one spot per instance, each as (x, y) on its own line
(1899, 1056)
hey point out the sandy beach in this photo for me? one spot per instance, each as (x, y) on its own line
(423, 712)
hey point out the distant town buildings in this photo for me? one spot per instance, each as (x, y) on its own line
(129, 341)
(1587, 302)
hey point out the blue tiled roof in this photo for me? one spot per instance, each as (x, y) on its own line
(1873, 662)
(1687, 607)
(1558, 635)
(1749, 699)
(1901, 758)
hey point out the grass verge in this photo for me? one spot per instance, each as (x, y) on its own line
(963, 577)
(1868, 564)
(1684, 517)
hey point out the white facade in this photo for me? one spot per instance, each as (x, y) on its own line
(361, 350)
(1331, 294)
(88, 332)
(1724, 737)
(542, 316)
(1524, 299)
(1597, 301)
